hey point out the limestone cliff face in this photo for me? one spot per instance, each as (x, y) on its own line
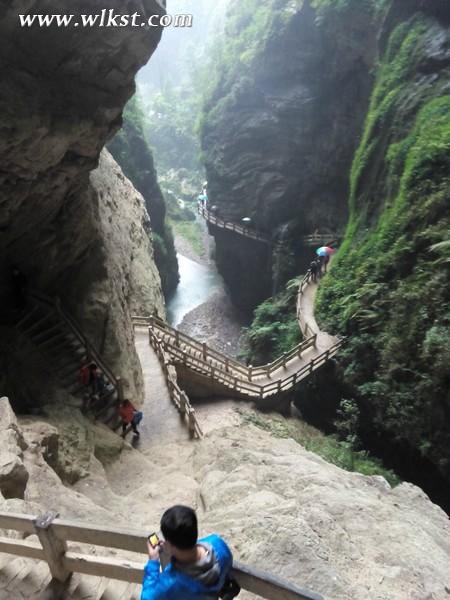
(281, 130)
(62, 95)
(281, 509)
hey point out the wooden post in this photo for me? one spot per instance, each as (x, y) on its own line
(250, 372)
(191, 421)
(284, 360)
(183, 403)
(227, 365)
(279, 386)
(177, 338)
(54, 548)
(205, 351)
(294, 381)
(235, 383)
(212, 372)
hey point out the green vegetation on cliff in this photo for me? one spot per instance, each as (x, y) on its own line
(131, 150)
(388, 290)
(274, 329)
(329, 447)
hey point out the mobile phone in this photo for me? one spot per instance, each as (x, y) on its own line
(153, 540)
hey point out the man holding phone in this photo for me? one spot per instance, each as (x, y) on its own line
(198, 569)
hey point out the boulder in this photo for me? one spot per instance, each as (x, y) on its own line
(13, 473)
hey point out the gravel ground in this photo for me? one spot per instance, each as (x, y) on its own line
(216, 322)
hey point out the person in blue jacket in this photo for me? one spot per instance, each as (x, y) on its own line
(198, 569)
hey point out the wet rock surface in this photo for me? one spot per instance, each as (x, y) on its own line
(282, 135)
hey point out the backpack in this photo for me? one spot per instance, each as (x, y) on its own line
(230, 589)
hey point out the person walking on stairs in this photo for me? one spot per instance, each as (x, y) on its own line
(129, 416)
(198, 569)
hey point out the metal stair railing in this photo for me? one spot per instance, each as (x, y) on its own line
(75, 329)
(54, 534)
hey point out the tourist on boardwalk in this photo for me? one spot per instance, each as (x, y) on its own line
(129, 416)
(314, 267)
(326, 260)
(198, 569)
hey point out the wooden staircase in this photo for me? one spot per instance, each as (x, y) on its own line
(59, 340)
(238, 380)
(266, 385)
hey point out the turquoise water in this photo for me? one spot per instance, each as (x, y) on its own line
(197, 284)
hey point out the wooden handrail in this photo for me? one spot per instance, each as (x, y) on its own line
(248, 388)
(253, 580)
(219, 360)
(219, 222)
(172, 344)
(315, 238)
(177, 395)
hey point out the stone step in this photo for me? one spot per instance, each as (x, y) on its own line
(30, 315)
(38, 326)
(39, 335)
(52, 340)
(26, 579)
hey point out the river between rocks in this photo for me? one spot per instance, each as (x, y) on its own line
(200, 306)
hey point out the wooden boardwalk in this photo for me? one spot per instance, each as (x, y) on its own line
(317, 238)
(226, 376)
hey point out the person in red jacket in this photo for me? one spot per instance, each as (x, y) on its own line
(129, 416)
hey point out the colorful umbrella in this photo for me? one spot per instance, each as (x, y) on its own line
(325, 251)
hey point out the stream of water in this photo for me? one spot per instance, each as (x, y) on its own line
(197, 284)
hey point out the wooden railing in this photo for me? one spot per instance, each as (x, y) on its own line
(54, 534)
(319, 238)
(75, 329)
(230, 226)
(188, 355)
(199, 350)
(177, 395)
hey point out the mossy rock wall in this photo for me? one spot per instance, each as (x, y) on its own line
(388, 290)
